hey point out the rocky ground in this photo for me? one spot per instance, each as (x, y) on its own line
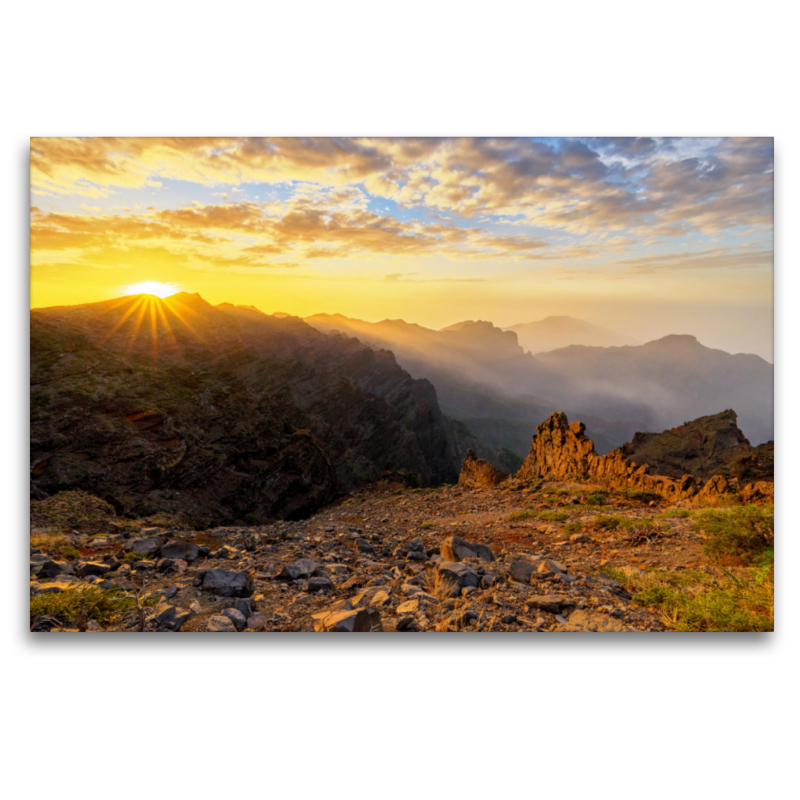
(511, 558)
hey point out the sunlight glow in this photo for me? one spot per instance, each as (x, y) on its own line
(152, 287)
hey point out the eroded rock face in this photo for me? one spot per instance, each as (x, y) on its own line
(480, 474)
(562, 451)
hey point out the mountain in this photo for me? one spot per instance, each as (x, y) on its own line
(676, 378)
(552, 333)
(220, 413)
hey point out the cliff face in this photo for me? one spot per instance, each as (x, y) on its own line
(222, 414)
(561, 450)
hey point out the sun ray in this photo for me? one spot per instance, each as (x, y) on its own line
(134, 305)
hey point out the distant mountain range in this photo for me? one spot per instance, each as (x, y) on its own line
(486, 380)
(552, 333)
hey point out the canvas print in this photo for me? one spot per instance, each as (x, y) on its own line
(401, 385)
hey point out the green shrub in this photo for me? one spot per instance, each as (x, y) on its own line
(698, 601)
(596, 499)
(607, 521)
(520, 515)
(744, 531)
(675, 513)
(554, 516)
(102, 605)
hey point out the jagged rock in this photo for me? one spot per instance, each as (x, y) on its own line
(243, 605)
(227, 583)
(454, 548)
(362, 546)
(452, 577)
(478, 473)
(716, 490)
(302, 568)
(186, 551)
(759, 492)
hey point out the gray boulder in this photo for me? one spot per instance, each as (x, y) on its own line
(186, 551)
(219, 623)
(227, 583)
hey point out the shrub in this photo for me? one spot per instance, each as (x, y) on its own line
(744, 531)
(554, 516)
(102, 605)
(698, 601)
(596, 499)
(427, 525)
(607, 521)
(675, 513)
(520, 515)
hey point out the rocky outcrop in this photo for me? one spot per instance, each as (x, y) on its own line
(480, 474)
(562, 451)
(704, 447)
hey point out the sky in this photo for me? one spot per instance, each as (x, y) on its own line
(646, 236)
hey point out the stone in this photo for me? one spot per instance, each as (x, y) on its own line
(452, 577)
(320, 584)
(380, 598)
(50, 568)
(363, 547)
(170, 592)
(365, 620)
(553, 603)
(144, 546)
(521, 571)
(236, 617)
(86, 568)
(244, 605)
(219, 623)
(259, 620)
(454, 548)
(549, 567)
(579, 538)
(186, 551)
(409, 607)
(302, 568)
(227, 583)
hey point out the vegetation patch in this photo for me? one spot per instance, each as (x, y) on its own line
(81, 604)
(597, 499)
(554, 516)
(74, 509)
(744, 531)
(675, 513)
(516, 516)
(694, 600)
(607, 521)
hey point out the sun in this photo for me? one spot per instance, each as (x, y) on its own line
(152, 287)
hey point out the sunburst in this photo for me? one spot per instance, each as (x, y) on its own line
(161, 290)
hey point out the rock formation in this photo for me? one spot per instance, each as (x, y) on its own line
(480, 474)
(561, 450)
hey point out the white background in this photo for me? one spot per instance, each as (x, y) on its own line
(150, 717)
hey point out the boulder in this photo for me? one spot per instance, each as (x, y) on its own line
(227, 583)
(186, 551)
(522, 570)
(50, 568)
(302, 568)
(85, 568)
(452, 577)
(476, 472)
(454, 548)
(581, 621)
(144, 546)
(259, 620)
